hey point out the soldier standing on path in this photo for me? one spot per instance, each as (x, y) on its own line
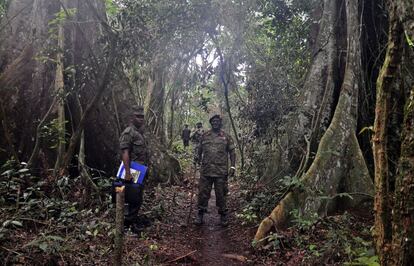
(214, 150)
(185, 136)
(196, 137)
(134, 148)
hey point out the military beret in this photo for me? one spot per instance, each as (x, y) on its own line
(138, 109)
(215, 116)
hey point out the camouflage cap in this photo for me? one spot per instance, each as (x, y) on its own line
(215, 116)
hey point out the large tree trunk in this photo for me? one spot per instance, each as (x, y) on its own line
(394, 199)
(338, 160)
(26, 83)
(60, 91)
(155, 112)
(386, 84)
(403, 218)
(311, 120)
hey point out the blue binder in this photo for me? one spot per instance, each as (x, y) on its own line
(138, 172)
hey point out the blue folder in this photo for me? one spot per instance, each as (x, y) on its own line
(138, 172)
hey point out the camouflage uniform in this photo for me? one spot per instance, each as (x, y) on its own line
(134, 141)
(196, 138)
(214, 149)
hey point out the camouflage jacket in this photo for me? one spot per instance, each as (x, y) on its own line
(134, 141)
(196, 135)
(214, 149)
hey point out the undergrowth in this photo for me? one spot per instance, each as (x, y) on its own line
(342, 239)
(47, 221)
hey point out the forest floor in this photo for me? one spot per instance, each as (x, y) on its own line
(46, 231)
(334, 240)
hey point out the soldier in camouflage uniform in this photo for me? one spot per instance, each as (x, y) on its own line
(196, 137)
(213, 151)
(134, 148)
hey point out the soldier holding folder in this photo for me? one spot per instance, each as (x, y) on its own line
(134, 148)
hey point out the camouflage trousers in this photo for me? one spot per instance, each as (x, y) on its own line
(195, 151)
(204, 190)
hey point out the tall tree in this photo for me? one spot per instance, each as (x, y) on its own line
(338, 165)
(394, 199)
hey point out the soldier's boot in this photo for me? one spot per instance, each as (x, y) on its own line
(199, 219)
(224, 222)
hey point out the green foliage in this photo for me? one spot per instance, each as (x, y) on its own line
(279, 55)
(273, 242)
(51, 212)
(304, 222)
(337, 240)
(158, 207)
(409, 40)
(52, 133)
(60, 18)
(3, 8)
(50, 244)
(112, 8)
(248, 215)
(294, 181)
(258, 204)
(342, 241)
(366, 261)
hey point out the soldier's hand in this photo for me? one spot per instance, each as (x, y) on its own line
(232, 171)
(128, 177)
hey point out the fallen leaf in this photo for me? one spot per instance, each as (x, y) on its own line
(235, 257)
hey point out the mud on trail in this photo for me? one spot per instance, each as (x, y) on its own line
(217, 245)
(176, 242)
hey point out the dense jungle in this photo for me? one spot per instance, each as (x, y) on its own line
(313, 100)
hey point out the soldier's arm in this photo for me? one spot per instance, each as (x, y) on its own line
(125, 145)
(232, 153)
(127, 162)
(199, 151)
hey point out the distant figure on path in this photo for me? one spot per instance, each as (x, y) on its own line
(196, 137)
(185, 136)
(134, 148)
(214, 150)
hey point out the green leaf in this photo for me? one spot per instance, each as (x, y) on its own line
(370, 128)
(24, 170)
(43, 246)
(6, 223)
(56, 238)
(8, 172)
(17, 223)
(409, 41)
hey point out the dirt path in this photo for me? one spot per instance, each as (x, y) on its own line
(179, 243)
(214, 245)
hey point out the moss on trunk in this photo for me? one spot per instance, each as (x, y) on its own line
(383, 183)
